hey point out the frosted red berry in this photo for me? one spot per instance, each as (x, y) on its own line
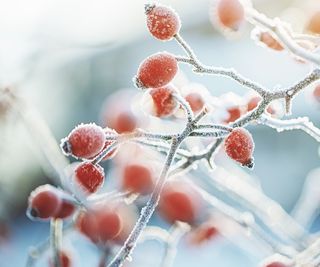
(156, 70)
(85, 141)
(270, 41)
(178, 203)
(87, 225)
(108, 142)
(253, 103)
(109, 224)
(137, 178)
(234, 113)
(66, 209)
(164, 103)
(313, 24)
(276, 264)
(90, 177)
(44, 202)
(162, 21)
(239, 146)
(65, 260)
(195, 101)
(230, 13)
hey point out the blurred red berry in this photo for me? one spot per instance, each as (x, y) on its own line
(87, 225)
(162, 21)
(316, 93)
(178, 203)
(66, 209)
(234, 113)
(137, 178)
(270, 41)
(90, 177)
(276, 264)
(65, 260)
(203, 233)
(195, 101)
(230, 13)
(44, 202)
(85, 141)
(253, 103)
(313, 24)
(109, 224)
(164, 103)
(156, 70)
(239, 146)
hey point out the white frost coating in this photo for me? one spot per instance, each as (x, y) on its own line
(301, 123)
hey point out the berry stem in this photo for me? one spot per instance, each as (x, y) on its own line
(56, 240)
(185, 105)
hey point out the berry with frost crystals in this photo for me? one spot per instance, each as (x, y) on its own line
(234, 113)
(239, 146)
(137, 178)
(162, 21)
(90, 177)
(85, 141)
(44, 202)
(160, 102)
(178, 203)
(230, 13)
(195, 101)
(65, 260)
(156, 70)
(66, 209)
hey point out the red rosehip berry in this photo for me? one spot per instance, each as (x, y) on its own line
(65, 259)
(230, 13)
(109, 224)
(276, 264)
(161, 102)
(66, 209)
(156, 70)
(195, 101)
(178, 203)
(162, 21)
(253, 103)
(270, 41)
(87, 225)
(137, 178)
(44, 202)
(239, 146)
(85, 141)
(90, 177)
(316, 93)
(313, 24)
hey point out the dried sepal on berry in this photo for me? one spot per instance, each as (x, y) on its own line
(84, 141)
(162, 21)
(44, 202)
(239, 146)
(89, 177)
(156, 71)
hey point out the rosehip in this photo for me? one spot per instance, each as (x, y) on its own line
(230, 13)
(239, 146)
(253, 103)
(314, 23)
(316, 93)
(270, 41)
(44, 202)
(87, 225)
(66, 209)
(162, 21)
(65, 260)
(108, 132)
(90, 177)
(85, 141)
(163, 103)
(137, 178)
(276, 264)
(195, 101)
(178, 203)
(156, 70)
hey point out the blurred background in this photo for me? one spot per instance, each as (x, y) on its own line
(65, 57)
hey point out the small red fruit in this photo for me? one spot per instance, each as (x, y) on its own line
(44, 202)
(270, 41)
(230, 13)
(90, 177)
(156, 70)
(109, 224)
(65, 260)
(234, 113)
(162, 21)
(239, 146)
(195, 101)
(66, 209)
(316, 93)
(178, 203)
(203, 233)
(253, 103)
(276, 264)
(314, 23)
(85, 141)
(164, 103)
(87, 225)
(137, 178)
